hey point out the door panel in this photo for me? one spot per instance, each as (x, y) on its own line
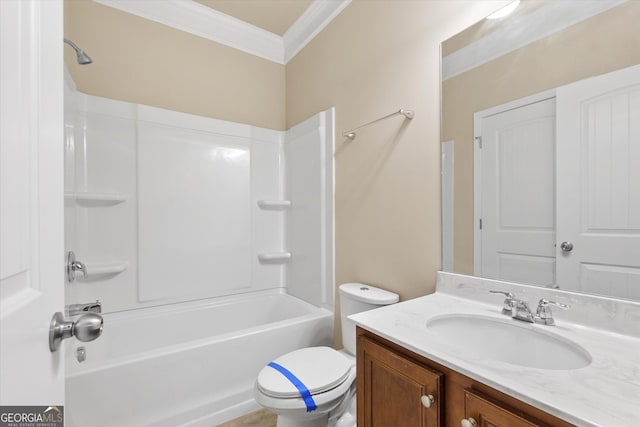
(517, 200)
(598, 195)
(391, 389)
(31, 201)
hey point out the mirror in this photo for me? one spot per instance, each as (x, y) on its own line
(541, 147)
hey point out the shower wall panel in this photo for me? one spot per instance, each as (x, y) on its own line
(194, 222)
(166, 207)
(163, 206)
(309, 153)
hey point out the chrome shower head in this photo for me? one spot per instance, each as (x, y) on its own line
(83, 58)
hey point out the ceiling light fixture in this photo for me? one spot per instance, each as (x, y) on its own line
(501, 13)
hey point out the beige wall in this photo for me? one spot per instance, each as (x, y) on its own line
(374, 58)
(140, 61)
(601, 44)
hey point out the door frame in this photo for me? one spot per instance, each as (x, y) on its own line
(478, 117)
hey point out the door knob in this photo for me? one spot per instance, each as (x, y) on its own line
(566, 246)
(85, 328)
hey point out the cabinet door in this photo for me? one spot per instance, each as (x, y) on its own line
(486, 413)
(394, 391)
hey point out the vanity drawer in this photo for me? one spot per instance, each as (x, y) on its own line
(482, 411)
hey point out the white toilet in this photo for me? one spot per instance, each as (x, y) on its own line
(315, 386)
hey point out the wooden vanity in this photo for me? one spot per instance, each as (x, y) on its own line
(399, 388)
(413, 371)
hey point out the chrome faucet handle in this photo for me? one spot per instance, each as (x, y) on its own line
(544, 314)
(74, 265)
(507, 305)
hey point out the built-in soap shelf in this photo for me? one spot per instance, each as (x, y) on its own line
(94, 199)
(274, 257)
(106, 269)
(274, 204)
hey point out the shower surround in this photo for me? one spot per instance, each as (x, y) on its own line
(210, 246)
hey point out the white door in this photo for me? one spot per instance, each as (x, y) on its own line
(598, 194)
(516, 194)
(31, 201)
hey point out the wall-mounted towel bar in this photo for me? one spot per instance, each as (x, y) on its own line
(408, 114)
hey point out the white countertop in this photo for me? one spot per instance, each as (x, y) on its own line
(606, 393)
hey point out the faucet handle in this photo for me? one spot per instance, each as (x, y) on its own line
(544, 314)
(505, 293)
(73, 266)
(507, 306)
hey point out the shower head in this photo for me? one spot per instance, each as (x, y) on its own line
(83, 58)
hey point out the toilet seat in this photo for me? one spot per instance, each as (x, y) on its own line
(319, 368)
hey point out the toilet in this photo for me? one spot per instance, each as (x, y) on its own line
(315, 386)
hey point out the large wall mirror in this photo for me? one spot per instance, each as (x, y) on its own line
(541, 147)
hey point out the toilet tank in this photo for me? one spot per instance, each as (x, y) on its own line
(355, 298)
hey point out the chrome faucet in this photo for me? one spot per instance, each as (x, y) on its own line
(93, 307)
(514, 307)
(521, 311)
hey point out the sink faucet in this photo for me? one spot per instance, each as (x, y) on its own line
(519, 309)
(514, 307)
(76, 309)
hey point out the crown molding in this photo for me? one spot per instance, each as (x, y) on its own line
(547, 20)
(319, 14)
(202, 21)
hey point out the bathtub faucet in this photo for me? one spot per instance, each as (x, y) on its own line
(76, 309)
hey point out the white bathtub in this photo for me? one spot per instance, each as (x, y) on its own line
(190, 364)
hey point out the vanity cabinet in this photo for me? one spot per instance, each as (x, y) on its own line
(390, 385)
(399, 388)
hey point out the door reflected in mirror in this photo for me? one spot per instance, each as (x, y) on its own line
(541, 147)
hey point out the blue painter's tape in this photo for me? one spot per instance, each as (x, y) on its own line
(304, 391)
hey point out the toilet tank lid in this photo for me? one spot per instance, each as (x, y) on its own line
(368, 294)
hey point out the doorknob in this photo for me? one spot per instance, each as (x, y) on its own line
(566, 246)
(85, 328)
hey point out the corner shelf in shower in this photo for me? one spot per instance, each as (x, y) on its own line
(106, 269)
(274, 257)
(274, 204)
(93, 199)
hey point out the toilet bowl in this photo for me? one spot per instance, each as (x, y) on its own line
(315, 386)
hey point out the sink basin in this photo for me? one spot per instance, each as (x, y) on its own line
(509, 341)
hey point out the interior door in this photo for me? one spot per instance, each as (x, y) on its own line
(516, 218)
(31, 201)
(598, 195)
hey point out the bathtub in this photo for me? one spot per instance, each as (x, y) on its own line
(187, 364)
